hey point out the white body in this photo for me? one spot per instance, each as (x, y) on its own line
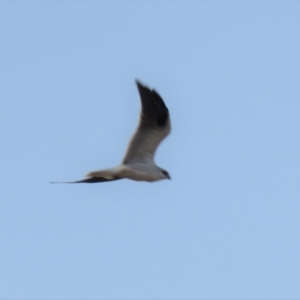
(135, 171)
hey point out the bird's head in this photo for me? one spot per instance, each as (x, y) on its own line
(165, 174)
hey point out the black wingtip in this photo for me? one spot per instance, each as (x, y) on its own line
(138, 82)
(67, 182)
(141, 85)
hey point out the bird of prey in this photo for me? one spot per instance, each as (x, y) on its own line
(138, 163)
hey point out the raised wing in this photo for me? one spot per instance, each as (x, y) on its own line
(153, 127)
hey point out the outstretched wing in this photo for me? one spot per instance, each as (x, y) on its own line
(91, 180)
(99, 176)
(153, 127)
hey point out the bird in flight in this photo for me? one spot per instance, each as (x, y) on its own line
(138, 163)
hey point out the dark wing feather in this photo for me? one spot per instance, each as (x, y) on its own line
(155, 113)
(153, 127)
(91, 180)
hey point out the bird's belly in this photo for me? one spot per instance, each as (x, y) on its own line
(138, 174)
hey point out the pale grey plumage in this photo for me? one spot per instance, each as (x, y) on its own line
(138, 163)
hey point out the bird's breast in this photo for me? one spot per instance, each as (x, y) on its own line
(140, 172)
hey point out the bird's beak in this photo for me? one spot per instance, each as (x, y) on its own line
(169, 177)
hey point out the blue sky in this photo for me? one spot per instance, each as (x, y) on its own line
(226, 226)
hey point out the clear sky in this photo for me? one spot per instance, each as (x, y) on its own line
(227, 226)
